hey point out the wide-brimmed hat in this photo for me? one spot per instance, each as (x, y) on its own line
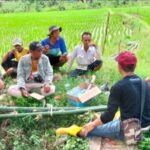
(54, 28)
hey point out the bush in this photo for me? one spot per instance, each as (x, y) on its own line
(96, 4)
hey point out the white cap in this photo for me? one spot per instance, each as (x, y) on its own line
(17, 41)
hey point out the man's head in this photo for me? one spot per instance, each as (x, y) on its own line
(126, 62)
(54, 32)
(18, 45)
(36, 49)
(86, 39)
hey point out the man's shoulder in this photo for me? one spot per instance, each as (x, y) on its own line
(119, 84)
(44, 57)
(45, 40)
(26, 49)
(26, 57)
(79, 46)
(126, 81)
(61, 38)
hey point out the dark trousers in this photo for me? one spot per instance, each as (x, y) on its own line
(96, 65)
(10, 64)
(56, 61)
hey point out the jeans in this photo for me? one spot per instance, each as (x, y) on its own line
(110, 130)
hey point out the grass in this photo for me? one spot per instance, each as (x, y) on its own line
(126, 24)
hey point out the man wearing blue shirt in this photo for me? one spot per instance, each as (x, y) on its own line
(53, 45)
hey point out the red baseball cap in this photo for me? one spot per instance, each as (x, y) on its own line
(126, 58)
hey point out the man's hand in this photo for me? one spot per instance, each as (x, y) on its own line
(63, 58)
(24, 92)
(11, 70)
(93, 44)
(46, 48)
(47, 88)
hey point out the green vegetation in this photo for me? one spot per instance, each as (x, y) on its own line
(128, 28)
(14, 6)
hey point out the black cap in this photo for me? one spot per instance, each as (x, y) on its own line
(54, 28)
(35, 45)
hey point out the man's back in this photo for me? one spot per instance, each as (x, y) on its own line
(130, 100)
(126, 95)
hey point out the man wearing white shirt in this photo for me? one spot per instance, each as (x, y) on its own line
(87, 55)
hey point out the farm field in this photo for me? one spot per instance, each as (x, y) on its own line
(127, 29)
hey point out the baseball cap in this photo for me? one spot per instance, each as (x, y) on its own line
(54, 28)
(35, 45)
(126, 59)
(17, 41)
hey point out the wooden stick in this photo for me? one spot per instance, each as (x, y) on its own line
(106, 32)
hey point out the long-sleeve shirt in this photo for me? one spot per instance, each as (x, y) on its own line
(84, 58)
(25, 69)
(126, 95)
(56, 48)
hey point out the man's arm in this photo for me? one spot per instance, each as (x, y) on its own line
(21, 74)
(108, 115)
(49, 73)
(71, 59)
(63, 47)
(113, 104)
(9, 55)
(45, 47)
(98, 54)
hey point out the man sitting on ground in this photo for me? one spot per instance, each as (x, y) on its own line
(34, 74)
(88, 57)
(125, 95)
(11, 59)
(52, 47)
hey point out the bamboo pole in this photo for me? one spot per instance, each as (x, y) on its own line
(51, 112)
(5, 108)
(106, 32)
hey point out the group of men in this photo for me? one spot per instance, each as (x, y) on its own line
(34, 70)
(34, 66)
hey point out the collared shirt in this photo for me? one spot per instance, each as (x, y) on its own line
(25, 68)
(84, 58)
(56, 48)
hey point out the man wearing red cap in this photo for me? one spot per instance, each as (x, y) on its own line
(124, 95)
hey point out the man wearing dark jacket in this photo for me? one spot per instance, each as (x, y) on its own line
(125, 95)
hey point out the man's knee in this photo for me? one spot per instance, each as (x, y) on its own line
(52, 91)
(96, 65)
(63, 60)
(14, 91)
